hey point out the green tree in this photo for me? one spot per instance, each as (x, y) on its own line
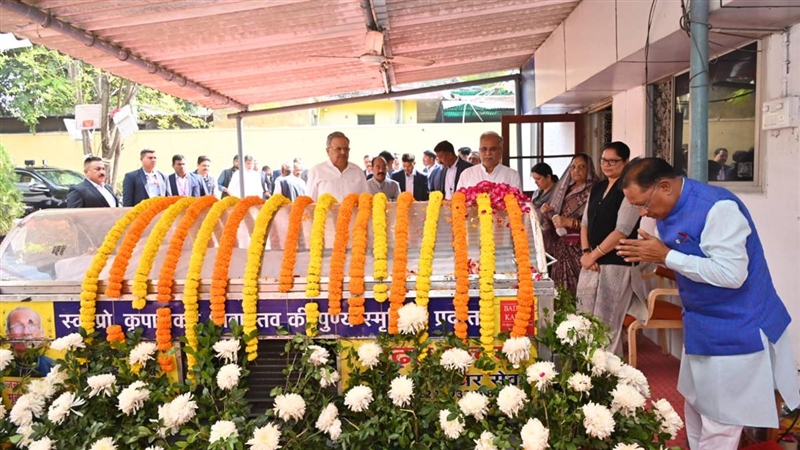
(10, 197)
(37, 82)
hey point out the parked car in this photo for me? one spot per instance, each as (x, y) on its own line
(45, 187)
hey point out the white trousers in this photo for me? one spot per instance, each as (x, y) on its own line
(708, 434)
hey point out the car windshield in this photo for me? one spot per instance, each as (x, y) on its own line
(61, 177)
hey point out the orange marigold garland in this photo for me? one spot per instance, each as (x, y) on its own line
(253, 267)
(120, 264)
(89, 286)
(164, 337)
(166, 276)
(219, 280)
(114, 334)
(398, 291)
(151, 247)
(339, 254)
(458, 209)
(380, 248)
(525, 292)
(358, 260)
(286, 280)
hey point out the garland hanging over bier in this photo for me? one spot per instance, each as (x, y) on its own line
(398, 291)
(324, 203)
(525, 292)
(423, 284)
(458, 208)
(358, 261)
(286, 280)
(339, 254)
(486, 277)
(380, 247)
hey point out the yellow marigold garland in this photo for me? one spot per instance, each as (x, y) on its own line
(400, 264)
(358, 260)
(525, 292)
(339, 254)
(423, 284)
(219, 280)
(286, 280)
(458, 209)
(190, 289)
(164, 336)
(380, 247)
(166, 276)
(253, 268)
(486, 277)
(89, 286)
(324, 203)
(154, 240)
(120, 264)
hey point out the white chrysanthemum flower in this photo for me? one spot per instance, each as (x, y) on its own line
(25, 435)
(671, 422)
(328, 377)
(580, 382)
(142, 353)
(511, 399)
(622, 446)
(57, 376)
(68, 343)
(541, 374)
(41, 387)
(598, 362)
(326, 418)
(6, 356)
(106, 443)
(358, 398)
(517, 350)
(634, 377)
(534, 435)
(290, 406)
(613, 363)
(2, 411)
(62, 406)
(451, 428)
(474, 404)
(319, 355)
(155, 447)
(42, 444)
(227, 349)
(412, 318)
(267, 437)
(369, 354)
(401, 390)
(574, 328)
(456, 359)
(485, 442)
(177, 412)
(222, 430)
(626, 399)
(25, 409)
(132, 398)
(335, 430)
(104, 384)
(598, 420)
(228, 376)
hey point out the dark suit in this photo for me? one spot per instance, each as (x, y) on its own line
(437, 177)
(196, 188)
(420, 184)
(86, 195)
(268, 184)
(134, 187)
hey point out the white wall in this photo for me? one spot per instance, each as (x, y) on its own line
(629, 114)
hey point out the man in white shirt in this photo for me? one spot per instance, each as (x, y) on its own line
(490, 169)
(444, 177)
(379, 182)
(252, 181)
(337, 176)
(410, 180)
(93, 192)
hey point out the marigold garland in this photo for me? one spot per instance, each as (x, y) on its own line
(380, 247)
(219, 280)
(166, 276)
(358, 260)
(114, 334)
(316, 249)
(164, 336)
(525, 292)
(312, 318)
(486, 277)
(151, 247)
(286, 280)
(190, 288)
(339, 254)
(120, 264)
(398, 291)
(423, 285)
(89, 286)
(458, 209)
(253, 268)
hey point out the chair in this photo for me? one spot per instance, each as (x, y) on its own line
(662, 315)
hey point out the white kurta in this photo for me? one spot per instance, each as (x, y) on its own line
(252, 184)
(501, 174)
(326, 178)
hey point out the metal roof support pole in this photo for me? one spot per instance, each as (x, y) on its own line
(45, 20)
(698, 90)
(242, 165)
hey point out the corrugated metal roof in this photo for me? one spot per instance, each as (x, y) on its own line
(262, 51)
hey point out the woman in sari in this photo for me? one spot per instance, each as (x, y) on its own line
(564, 211)
(542, 175)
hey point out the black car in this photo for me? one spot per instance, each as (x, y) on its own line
(45, 187)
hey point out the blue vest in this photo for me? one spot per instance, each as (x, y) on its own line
(716, 320)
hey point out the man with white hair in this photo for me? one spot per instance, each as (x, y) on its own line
(490, 169)
(289, 184)
(336, 176)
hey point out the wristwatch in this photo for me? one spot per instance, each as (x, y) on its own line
(587, 250)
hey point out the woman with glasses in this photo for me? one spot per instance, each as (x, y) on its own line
(561, 219)
(608, 286)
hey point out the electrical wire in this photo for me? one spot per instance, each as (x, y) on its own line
(789, 429)
(650, 100)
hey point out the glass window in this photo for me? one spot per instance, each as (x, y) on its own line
(366, 119)
(62, 177)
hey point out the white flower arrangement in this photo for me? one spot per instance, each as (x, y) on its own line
(104, 384)
(290, 407)
(358, 398)
(41, 444)
(105, 443)
(57, 376)
(369, 354)
(42, 387)
(573, 329)
(634, 377)
(319, 355)
(62, 406)
(6, 356)
(626, 400)
(327, 418)
(598, 420)
(401, 391)
(67, 343)
(474, 404)
(517, 350)
(328, 377)
(142, 353)
(541, 374)
(132, 398)
(412, 318)
(534, 435)
(25, 409)
(671, 422)
(622, 446)
(580, 382)
(267, 437)
(456, 359)
(511, 399)
(228, 376)
(485, 442)
(451, 428)
(177, 412)
(222, 430)
(2, 411)
(227, 349)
